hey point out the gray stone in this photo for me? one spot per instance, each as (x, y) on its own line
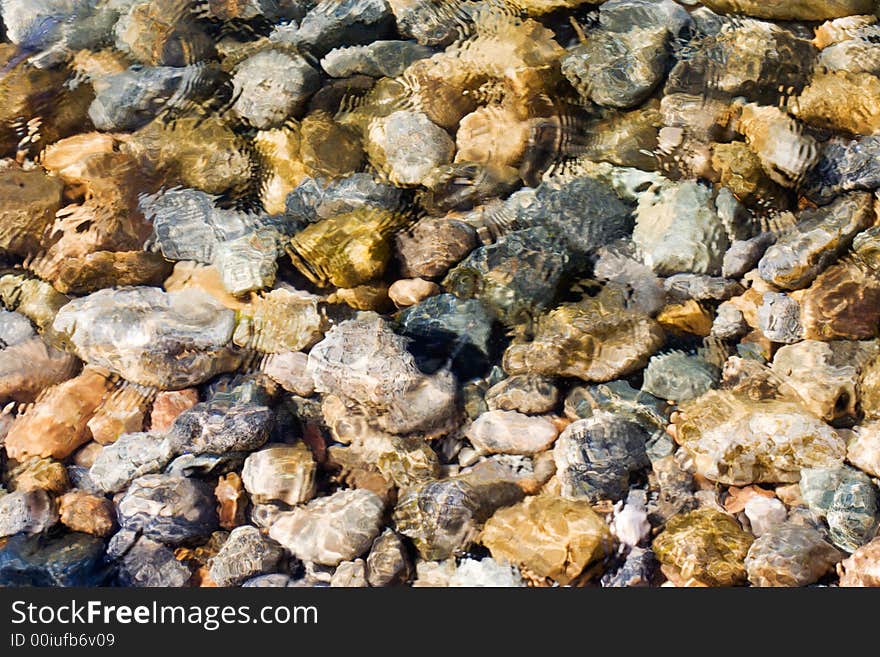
(387, 562)
(149, 564)
(594, 457)
(315, 199)
(681, 287)
(14, 328)
(407, 146)
(335, 23)
(729, 322)
(271, 86)
(245, 554)
(131, 456)
(845, 165)
(485, 573)
(744, 255)
(26, 511)
(679, 376)
(378, 59)
(170, 509)
(220, 426)
(779, 318)
(350, 574)
(129, 100)
(790, 555)
(72, 559)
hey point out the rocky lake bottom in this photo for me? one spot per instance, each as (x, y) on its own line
(439, 293)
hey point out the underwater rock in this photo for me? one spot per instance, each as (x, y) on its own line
(432, 245)
(818, 238)
(548, 537)
(271, 86)
(485, 572)
(289, 369)
(30, 366)
(73, 559)
(245, 554)
(705, 546)
(863, 449)
(168, 405)
(779, 318)
(231, 501)
(84, 512)
(283, 473)
(793, 10)
(331, 23)
(378, 59)
(410, 291)
(841, 100)
(790, 555)
(595, 456)
(27, 511)
(443, 517)
(388, 562)
(407, 146)
(170, 509)
(862, 568)
(148, 563)
(220, 426)
(523, 393)
(189, 323)
(595, 340)
(30, 201)
(764, 514)
(843, 166)
(679, 376)
(678, 230)
(331, 529)
(57, 424)
(737, 441)
(510, 432)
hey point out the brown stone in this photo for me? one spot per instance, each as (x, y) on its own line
(168, 405)
(842, 101)
(863, 567)
(231, 501)
(549, 536)
(842, 303)
(494, 134)
(96, 271)
(84, 512)
(688, 317)
(433, 245)
(57, 423)
(328, 148)
(122, 412)
(28, 203)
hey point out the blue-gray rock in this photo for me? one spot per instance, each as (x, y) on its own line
(378, 59)
(516, 277)
(316, 198)
(681, 287)
(679, 376)
(638, 569)
(273, 580)
(14, 328)
(150, 564)
(129, 100)
(594, 457)
(245, 554)
(445, 329)
(219, 426)
(853, 515)
(743, 255)
(205, 465)
(73, 559)
(334, 23)
(131, 456)
(729, 322)
(169, 509)
(845, 166)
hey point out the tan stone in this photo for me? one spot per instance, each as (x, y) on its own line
(231, 501)
(842, 101)
(688, 317)
(122, 412)
(40, 474)
(409, 291)
(57, 423)
(84, 512)
(86, 455)
(549, 536)
(863, 567)
(493, 134)
(168, 405)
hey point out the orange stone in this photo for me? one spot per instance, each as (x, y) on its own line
(57, 424)
(84, 512)
(231, 501)
(168, 405)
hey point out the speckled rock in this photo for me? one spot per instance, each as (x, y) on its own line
(149, 564)
(679, 376)
(678, 230)
(595, 456)
(432, 245)
(271, 86)
(378, 59)
(862, 568)
(407, 146)
(219, 426)
(523, 393)
(388, 562)
(331, 529)
(27, 511)
(169, 509)
(548, 537)
(245, 554)
(820, 236)
(130, 457)
(330, 23)
(779, 318)
(289, 370)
